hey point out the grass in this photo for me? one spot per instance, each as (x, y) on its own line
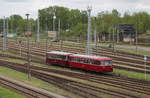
(5, 93)
(35, 82)
(132, 74)
(13, 74)
(134, 51)
(32, 39)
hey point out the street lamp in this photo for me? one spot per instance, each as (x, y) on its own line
(28, 46)
(54, 17)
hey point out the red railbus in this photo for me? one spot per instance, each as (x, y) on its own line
(91, 63)
(59, 58)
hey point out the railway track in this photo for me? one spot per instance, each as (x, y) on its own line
(104, 49)
(136, 68)
(82, 49)
(23, 89)
(119, 61)
(137, 86)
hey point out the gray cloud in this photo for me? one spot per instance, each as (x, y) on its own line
(15, 1)
(8, 7)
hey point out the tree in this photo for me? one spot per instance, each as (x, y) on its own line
(15, 20)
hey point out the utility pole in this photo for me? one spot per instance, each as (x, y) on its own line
(11, 25)
(104, 30)
(136, 37)
(89, 47)
(7, 34)
(103, 25)
(47, 35)
(145, 59)
(38, 28)
(61, 42)
(95, 34)
(114, 39)
(7, 27)
(58, 29)
(28, 46)
(4, 34)
(117, 36)
(130, 38)
(46, 44)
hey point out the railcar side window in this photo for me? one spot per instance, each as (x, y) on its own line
(82, 60)
(107, 63)
(90, 62)
(97, 62)
(73, 59)
(79, 60)
(86, 61)
(59, 57)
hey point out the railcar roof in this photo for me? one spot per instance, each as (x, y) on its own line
(90, 56)
(59, 53)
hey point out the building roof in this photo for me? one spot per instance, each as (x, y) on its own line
(126, 27)
(59, 53)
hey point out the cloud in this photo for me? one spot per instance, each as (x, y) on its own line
(8, 7)
(15, 1)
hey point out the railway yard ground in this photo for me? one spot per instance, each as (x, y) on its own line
(81, 81)
(127, 80)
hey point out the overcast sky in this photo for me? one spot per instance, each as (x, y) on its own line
(21, 7)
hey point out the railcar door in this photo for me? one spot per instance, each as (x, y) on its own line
(64, 60)
(67, 60)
